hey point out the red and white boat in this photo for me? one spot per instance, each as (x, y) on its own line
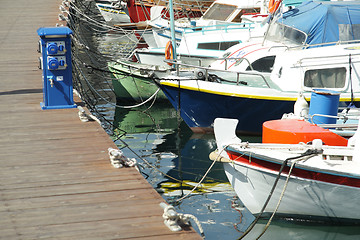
(309, 181)
(139, 10)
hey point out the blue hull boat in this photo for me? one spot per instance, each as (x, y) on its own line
(199, 108)
(261, 80)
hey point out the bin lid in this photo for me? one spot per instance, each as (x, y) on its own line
(326, 92)
(51, 31)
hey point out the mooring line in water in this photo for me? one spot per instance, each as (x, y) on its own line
(102, 70)
(111, 103)
(156, 169)
(308, 153)
(281, 197)
(202, 179)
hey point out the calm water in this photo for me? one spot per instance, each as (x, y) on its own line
(155, 136)
(183, 156)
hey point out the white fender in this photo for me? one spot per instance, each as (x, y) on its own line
(225, 133)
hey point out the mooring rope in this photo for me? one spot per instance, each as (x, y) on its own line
(307, 153)
(203, 177)
(281, 197)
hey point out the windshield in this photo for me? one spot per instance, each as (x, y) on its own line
(281, 33)
(219, 12)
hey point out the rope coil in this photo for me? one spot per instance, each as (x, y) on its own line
(174, 220)
(118, 160)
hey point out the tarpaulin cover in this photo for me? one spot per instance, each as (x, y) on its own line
(325, 22)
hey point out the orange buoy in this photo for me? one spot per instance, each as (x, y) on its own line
(294, 131)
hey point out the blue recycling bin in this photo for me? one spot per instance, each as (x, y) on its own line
(324, 106)
(55, 47)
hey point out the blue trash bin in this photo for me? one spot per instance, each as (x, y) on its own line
(324, 106)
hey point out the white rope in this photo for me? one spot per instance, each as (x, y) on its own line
(85, 117)
(185, 218)
(142, 103)
(174, 220)
(118, 160)
(281, 197)
(202, 179)
(98, 94)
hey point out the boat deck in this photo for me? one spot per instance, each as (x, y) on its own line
(56, 179)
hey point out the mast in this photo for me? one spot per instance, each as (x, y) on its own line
(172, 28)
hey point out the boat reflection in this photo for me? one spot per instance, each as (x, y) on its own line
(171, 147)
(190, 163)
(178, 147)
(285, 230)
(159, 118)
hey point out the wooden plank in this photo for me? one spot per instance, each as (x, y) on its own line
(106, 229)
(79, 199)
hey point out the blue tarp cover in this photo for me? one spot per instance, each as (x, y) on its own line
(325, 22)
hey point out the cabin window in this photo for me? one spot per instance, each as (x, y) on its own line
(325, 78)
(349, 32)
(279, 32)
(245, 11)
(219, 12)
(217, 45)
(263, 64)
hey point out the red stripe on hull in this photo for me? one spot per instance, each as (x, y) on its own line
(311, 175)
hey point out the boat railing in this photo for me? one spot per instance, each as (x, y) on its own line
(340, 42)
(316, 60)
(137, 67)
(336, 125)
(236, 60)
(304, 45)
(224, 27)
(204, 29)
(204, 72)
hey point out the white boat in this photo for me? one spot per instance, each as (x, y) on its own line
(200, 41)
(315, 181)
(113, 11)
(260, 80)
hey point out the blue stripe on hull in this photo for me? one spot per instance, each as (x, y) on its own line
(199, 109)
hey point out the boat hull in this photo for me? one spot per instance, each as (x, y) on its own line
(140, 11)
(199, 109)
(113, 14)
(132, 84)
(306, 198)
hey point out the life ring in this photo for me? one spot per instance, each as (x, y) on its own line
(169, 52)
(274, 5)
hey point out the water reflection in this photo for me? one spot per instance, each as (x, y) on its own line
(285, 230)
(190, 164)
(158, 118)
(157, 134)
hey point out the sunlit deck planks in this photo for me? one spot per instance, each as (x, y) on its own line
(56, 180)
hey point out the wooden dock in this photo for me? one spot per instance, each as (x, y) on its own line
(56, 180)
